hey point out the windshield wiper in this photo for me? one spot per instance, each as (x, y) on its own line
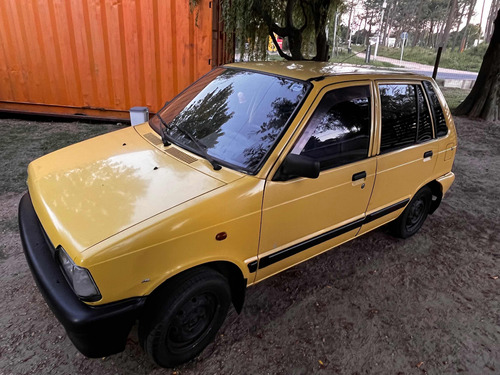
(167, 140)
(200, 146)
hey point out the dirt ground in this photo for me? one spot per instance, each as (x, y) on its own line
(377, 305)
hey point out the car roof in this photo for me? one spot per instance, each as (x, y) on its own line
(310, 70)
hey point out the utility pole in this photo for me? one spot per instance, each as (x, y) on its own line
(384, 5)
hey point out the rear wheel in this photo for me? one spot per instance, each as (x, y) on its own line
(414, 215)
(184, 318)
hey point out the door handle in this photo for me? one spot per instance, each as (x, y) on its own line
(358, 176)
(427, 154)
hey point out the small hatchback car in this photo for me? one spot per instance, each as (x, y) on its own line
(252, 169)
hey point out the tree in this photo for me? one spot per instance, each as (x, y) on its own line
(484, 98)
(449, 23)
(472, 4)
(302, 22)
(495, 5)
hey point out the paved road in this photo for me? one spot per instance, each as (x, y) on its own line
(427, 70)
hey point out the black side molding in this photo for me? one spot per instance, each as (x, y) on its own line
(252, 267)
(295, 249)
(285, 253)
(385, 211)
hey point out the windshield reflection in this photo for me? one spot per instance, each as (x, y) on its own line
(236, 115)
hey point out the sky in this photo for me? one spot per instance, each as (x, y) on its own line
(476, 18)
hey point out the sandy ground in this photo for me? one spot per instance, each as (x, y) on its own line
(377, 305)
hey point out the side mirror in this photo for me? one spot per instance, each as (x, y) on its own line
(138, 115)
(297, 166)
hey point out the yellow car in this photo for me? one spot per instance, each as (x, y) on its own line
(252, 169)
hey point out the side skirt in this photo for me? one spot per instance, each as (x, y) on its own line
(295, 249)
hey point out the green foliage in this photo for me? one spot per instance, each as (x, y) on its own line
(249, 23)
(242, 23)
(472, 33)
(470, 59)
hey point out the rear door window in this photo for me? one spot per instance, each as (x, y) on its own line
(399, 116)
(406, 119)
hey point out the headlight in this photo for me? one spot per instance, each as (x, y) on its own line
(79, 278)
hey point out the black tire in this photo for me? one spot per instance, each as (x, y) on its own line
(184, 317)
(414, 215)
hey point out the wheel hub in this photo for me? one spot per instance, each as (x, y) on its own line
(191, 322)
(416, 213)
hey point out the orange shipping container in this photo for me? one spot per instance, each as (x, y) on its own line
(100, 57)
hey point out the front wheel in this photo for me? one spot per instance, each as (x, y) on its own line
(184, 319)
(414, 215)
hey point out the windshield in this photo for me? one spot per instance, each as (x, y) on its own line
(235, 115)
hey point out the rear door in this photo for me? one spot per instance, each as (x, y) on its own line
(407, 149)
(302, 216)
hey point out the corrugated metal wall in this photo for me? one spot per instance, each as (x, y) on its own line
(100, 57)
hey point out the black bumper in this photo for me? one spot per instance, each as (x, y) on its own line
(96, 331)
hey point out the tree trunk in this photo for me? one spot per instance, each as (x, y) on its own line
(390, 20)
(449, 23)
(491, 16)
(321, 47)
(369, 33)
(439, 34)
(348, 38)
(466, 32)
(431, 33)
(484, 98)
(455, 38)
(417, 25)
(294, 35)
(320, 12)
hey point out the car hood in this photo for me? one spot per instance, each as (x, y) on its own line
(92, 190)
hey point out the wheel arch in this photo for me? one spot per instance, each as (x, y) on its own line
(236, 281)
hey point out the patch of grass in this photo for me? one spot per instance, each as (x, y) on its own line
(380, 64)
(353, 59)
(454, 96)
(343, 56)
(23, 141)
(469, 60)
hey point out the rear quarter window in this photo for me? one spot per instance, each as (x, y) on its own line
(439, 119)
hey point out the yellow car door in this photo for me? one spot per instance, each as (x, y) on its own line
(407, 148)
(303, 217)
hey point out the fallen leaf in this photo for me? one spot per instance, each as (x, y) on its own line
(420, 364)
(320, 362)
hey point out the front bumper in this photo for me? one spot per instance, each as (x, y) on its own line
(96, 331)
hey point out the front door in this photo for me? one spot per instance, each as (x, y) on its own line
(302, 216)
